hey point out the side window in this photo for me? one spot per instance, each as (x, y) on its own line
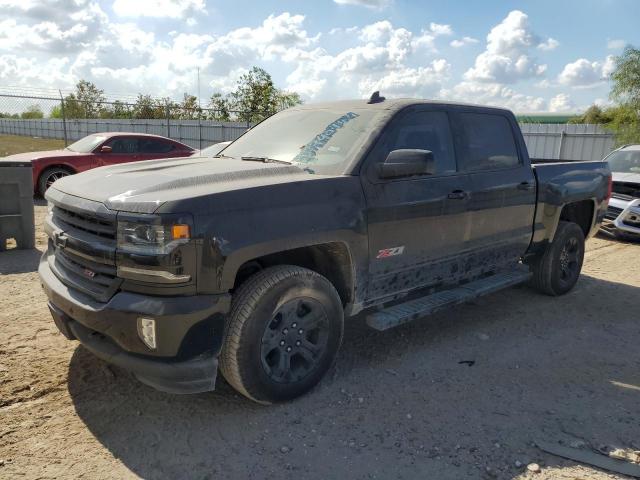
(488, 142)
(154, 146)
(124, 145)
(424, 131)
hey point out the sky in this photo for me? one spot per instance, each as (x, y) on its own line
(530, 56)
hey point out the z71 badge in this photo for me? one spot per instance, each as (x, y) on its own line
(390, 252)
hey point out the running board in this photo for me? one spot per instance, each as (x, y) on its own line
(421, 307)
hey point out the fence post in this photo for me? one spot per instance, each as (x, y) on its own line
(64, 119)
(168, 112)
(560, 146)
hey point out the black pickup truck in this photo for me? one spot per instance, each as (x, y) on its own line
(250, 261)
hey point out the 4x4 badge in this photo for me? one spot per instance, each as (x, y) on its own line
(390, 252)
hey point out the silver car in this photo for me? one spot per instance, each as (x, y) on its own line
(623, 215)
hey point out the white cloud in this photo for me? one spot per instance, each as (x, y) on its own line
(440, 29)
(408, 82)
(549, 44)
(458, 43)
(616, 44)
(585, 73)
(158, 8)
(561, 103)
(506, 58)
(494, 94)
(377, 4)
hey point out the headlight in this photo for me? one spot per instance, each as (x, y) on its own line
(151, 238)
(49, 207)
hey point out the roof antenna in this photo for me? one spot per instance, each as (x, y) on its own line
(375, 98)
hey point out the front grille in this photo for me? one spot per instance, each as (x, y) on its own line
(96, 226)
(82, 251)
(627, 189)
(612, 213)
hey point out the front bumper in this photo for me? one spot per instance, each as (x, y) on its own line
(623, 216)
(189, 332)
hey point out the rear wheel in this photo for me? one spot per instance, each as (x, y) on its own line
(557, 270)
(284, 331)
(49, 176)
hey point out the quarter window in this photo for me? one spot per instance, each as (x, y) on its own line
(155, 146)
(488, 142)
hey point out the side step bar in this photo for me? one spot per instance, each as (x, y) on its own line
(421, 307)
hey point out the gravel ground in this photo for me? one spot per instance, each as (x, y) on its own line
(398, 404)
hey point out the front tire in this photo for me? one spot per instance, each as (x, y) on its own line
(49, 176)
(283, 334)
(557, 270)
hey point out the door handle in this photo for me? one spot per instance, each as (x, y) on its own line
(525, 186)
(457, 195)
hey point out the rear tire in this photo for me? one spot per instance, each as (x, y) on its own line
(49, 176)
(557, 270)
(284, 331)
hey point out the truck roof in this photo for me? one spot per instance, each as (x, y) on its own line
(392, 104)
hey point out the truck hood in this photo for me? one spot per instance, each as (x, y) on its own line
(142, 187)
(29, 156)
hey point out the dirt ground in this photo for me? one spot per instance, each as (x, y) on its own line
(10, 144)
(398, 404)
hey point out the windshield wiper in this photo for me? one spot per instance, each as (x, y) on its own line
(222, 155)
(264, 160)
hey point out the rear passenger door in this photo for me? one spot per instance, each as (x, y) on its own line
(151, 148)
(501, 188)
(416, 225)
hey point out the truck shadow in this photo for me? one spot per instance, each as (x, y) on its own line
(19, 261)
(440, 398)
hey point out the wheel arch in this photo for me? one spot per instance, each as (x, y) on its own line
(333, 260)
(582, 213)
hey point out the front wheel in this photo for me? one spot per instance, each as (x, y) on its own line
(557, 270)
(49, 177)
(283, 334)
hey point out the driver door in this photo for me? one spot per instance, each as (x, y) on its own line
(123, 150)
(417, 225)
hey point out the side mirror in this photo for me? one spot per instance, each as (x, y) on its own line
(407, 163)
(105, 149)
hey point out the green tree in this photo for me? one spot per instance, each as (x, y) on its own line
(623, 118)
(86, 102)
(219, 108)
(148, 107)
(56, 112)
(254, 98)
(626, 78)
(32, 112)
(189, 109)
(594, 115)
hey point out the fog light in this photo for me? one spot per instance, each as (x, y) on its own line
(147, 331)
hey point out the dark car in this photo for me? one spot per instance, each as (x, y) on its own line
(97, 150)
(252, 261)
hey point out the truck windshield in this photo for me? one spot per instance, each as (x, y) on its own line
(320, 141)
(86, 144)
(625, 161)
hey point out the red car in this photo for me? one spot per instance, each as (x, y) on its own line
(98, 150)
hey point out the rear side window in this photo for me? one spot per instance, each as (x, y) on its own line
(124, 145)
(487, 142)
(424, 131)
(154, 146)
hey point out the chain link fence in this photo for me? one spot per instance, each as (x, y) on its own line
(49, 116)
(72, 119)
